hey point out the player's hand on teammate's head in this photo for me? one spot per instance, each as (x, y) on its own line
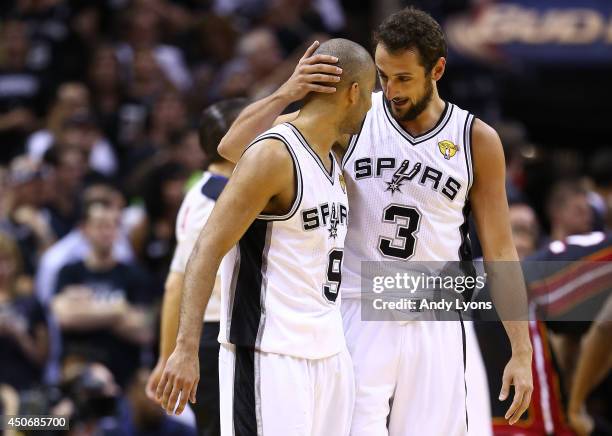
(518, 374)
(313, 73)
(179, 381)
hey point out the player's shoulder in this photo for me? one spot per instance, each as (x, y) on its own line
(483, 134)
(485, 142)
(270, 158)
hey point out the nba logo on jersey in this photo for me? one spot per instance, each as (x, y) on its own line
(448, 149)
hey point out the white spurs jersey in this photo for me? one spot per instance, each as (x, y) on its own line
(193, 214)
(280, 284)
(408, 195)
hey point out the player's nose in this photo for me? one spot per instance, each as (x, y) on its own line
(390, 91)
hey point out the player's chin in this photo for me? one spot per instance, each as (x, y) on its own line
(399, 112)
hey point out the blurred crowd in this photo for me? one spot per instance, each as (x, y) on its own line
(99, 104)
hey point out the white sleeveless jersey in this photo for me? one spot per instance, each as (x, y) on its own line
(408, 195)
(280, 284)
(193, 214)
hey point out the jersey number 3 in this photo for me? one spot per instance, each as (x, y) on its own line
(407, 220)
(334, 275)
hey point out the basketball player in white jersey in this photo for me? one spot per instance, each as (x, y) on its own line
(283, 365)
(414, 171)
(193, 214)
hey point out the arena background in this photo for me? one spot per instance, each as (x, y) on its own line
(102, 98)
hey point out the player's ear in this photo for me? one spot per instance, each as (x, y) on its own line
(353, 93)
(438, 69)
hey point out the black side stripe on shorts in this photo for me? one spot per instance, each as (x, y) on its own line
(243, 409)
(246, 313)
(467, 424)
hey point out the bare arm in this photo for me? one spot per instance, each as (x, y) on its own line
(490, 206)
(258, 117)
(170, 314)
(135, 325)
(594, 363)
(263, 175)
(9, 400)
(168, 329)
(76, 309)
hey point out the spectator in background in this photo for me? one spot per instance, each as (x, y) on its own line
(153, 237)
(68, 170)
(75, 246)
(22, 98)
(91, 400)
(168, 117)
(48, 27)
(213, 43)
(103, 306)
(525, 229)
(81, 131)
(570, 281)
(146, 83)
(294, 22)
(104, 81)
(71, 122)
(601, 176)
(143, 33)
(72, 248)
(259, 54)
(23, 326)
(185, 150)
(569, 210)
(71, 97)
(24, 218)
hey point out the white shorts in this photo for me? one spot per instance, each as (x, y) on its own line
(268, 394)
(410, 377)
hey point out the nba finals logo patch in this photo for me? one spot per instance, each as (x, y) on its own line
(342, 182)
(448, 149)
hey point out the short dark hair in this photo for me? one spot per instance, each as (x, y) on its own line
(215, 121)
(410, 29)
(354, 59)
(561, 192)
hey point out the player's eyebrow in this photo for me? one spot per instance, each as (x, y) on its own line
(401, 73)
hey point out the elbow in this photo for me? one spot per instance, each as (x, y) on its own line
(223, 149)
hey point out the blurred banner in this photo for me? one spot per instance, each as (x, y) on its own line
(535, 31)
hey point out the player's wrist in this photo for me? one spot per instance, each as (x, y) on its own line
(186, 345)
(522, 351)
(283, 97)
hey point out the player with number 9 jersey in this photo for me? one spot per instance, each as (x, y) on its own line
(280, 283)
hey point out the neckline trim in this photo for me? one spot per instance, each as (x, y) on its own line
(329, 174)
(442, 121)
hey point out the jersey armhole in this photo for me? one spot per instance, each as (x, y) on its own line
(297, 177)
(467, 141)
